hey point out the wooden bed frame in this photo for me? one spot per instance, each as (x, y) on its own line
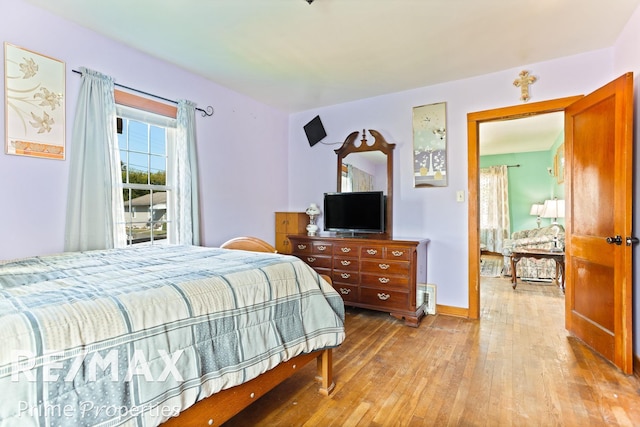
(220, 407)
(248, 244)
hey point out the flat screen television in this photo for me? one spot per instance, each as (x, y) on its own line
(355, 212)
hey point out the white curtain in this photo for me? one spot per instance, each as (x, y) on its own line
(95, 210)
(185, 210)
(494, 207)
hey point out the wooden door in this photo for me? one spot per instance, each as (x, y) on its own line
(599, 156)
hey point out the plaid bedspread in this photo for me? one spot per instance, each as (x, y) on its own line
(133, 336)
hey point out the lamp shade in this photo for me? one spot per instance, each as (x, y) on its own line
(553, 209)
(536, 209)
(313, 209)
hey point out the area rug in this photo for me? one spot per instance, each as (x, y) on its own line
(491, 266)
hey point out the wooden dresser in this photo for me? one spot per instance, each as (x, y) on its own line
(377, 274)
(289, 223)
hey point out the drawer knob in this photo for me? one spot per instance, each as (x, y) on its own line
(345, 250)
(372, 251)
(322, 248)
(383, 279)
(311, 259)
(383, 266)
(397, 253)
(345, 262)
(302, 246)
(345, 291)
(345, 275)
(384, 297)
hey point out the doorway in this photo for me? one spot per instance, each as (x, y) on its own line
(473, 131)
(598, 259)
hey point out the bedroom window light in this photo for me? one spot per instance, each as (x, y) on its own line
(145, 142)
(159, 145)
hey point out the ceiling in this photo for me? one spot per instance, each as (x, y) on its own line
(533, 133)
(297, 56)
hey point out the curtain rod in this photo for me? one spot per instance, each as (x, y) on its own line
(513, 166)
(207, 113)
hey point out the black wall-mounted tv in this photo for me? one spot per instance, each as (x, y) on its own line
(356, 212)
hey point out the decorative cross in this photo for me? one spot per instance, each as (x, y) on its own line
(523, 83)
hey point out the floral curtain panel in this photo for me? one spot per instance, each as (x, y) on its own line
(494, 207)
(358, 179)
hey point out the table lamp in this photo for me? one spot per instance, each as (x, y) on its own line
(554, 208)
(536, 209)
(313, 211)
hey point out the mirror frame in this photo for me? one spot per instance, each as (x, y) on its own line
(379, 144)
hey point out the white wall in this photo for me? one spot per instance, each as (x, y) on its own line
(242, 149)
(432, 212)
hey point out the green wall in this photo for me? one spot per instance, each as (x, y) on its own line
(528, 184)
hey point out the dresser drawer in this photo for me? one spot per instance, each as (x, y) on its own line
(300, 248)
(372, 251)
(393, 253)
(322, 248)
(350, 277)
(346, 249)
(398, 253)
(317, 261)
(384, 281)
(347, 292)
(343, 263)
(384, 299)
(382, 266)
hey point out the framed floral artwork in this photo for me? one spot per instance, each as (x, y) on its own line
(430, 145)
(34, 104)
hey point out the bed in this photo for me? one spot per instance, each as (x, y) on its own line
(180, 335)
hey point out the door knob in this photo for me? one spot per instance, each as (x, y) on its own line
(631, 240)
(617, 240)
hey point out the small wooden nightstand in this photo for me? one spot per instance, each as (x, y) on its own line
(289, 223)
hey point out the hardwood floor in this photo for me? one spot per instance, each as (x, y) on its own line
(517, 366)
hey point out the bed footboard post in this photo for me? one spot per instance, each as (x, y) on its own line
(325, 372)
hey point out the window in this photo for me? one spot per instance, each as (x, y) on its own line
(145, 142)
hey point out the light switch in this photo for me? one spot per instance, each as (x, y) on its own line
(460, 196)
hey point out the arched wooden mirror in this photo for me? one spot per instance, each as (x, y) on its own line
(368, 167)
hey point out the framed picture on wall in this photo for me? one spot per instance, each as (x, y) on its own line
(430, 145)
(34, 104)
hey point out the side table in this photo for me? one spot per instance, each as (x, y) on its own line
(558, 257)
